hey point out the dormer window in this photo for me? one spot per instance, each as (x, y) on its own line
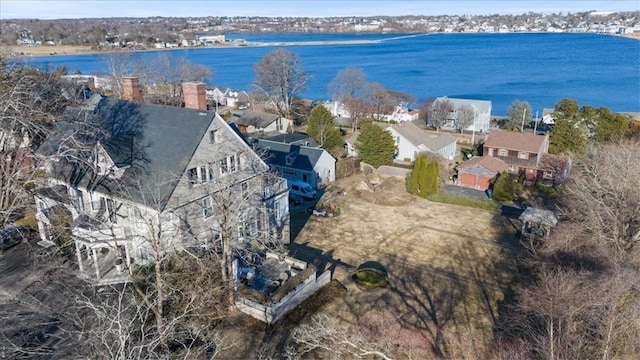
(523, 155)
(503, 152)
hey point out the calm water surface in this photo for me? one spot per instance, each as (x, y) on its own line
(542, 69)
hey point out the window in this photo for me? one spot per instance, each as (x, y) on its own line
(523, 155)
(503, 152)
(213, 136)
(207, 207)
(397, 139)
(223, 166)
(549, 175)
(512, 169)
(113, 217)
(200, 174)
(244, 186)
(233, 163)
(193, 176)
(97, 202)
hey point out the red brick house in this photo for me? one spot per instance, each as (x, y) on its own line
(522, 152)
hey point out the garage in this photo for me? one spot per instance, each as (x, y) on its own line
(479, 171)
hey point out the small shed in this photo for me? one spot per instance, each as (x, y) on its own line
(537, 222)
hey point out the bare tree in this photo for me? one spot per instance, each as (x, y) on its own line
(281, 80)
(603, 194)
(437, 113)
(466, 116)
(348, 87)
(326, 335)
(30, 100)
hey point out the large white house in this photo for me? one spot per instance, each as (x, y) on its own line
(412, 141)
(481, 110)
(137, 180)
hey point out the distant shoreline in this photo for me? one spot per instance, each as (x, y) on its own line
(16, 51)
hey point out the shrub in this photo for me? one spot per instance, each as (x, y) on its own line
(503, 188)
(29, 221)
(423, 180)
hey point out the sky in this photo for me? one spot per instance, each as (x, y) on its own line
(58, 9)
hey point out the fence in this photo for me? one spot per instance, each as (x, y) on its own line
(385, 170)
(271, 314)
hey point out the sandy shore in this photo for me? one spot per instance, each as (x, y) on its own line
(57, 50)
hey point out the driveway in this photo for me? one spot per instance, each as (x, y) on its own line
(463, 191)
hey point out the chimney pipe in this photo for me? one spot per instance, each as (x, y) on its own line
(131, 90)
(195, 96)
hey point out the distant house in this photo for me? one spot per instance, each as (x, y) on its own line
(411, 141)
(522, 152)
(478, 172)
(251, 122)
(294, 139)
(313, 165)
(481, 109)
(547, 116)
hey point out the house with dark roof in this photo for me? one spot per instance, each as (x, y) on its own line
(252, 122)
(522, 152)
(294, 139)
(137, 180)
(313, 165)
(411, 141)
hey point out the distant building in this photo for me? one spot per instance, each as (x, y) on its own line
(481, 109)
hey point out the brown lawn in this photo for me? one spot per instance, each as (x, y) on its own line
(449, 265)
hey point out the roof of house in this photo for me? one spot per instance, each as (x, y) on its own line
(481, 105)
(488, 162)
(417, 136)
(307, 157)
(515, 141)
(258, 119)
(159, 141)
(539, 216)
(294, 138)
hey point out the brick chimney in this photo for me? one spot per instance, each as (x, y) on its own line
(195, 96)
(131, 90)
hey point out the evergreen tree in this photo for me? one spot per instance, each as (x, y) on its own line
(566, 138)
(503, 188)
(374, 145)
(433, 184)
(423, 180)
(322, 128)
(610, 127)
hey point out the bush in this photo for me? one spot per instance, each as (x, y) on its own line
(28, 221)
(371, 274)
(423, 180)
(504, 188)
(347, 166)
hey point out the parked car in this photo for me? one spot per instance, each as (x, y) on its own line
(12, 236)
(302, 189)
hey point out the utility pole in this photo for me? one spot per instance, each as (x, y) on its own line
(535, 128)
(524, 113)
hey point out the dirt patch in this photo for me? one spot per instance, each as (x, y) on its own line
(449, 266)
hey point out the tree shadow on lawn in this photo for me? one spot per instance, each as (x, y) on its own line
(455, 298)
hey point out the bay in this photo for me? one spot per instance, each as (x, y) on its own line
(540, 68)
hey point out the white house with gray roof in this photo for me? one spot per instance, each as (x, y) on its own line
(137, 179)
(313, 165)
(481, 110)
(411, 141)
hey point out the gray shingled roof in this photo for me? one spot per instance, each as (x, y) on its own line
(254, 118)
(295, 138)
(163, 140)
(278, 151)
(480, 105)
(417, 136)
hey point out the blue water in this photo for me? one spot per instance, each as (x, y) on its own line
(542, 69)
